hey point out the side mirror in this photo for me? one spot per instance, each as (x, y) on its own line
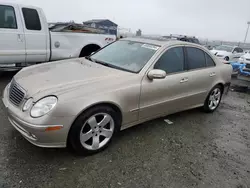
(156, 74)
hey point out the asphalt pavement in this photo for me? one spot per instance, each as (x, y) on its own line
(197, 150)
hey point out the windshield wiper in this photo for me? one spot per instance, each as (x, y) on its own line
(102, 63)
(107, 64)
(112, 66)
(89, 58)
(97, 61)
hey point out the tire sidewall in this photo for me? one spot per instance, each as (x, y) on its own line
(74, 133)
(206, 104)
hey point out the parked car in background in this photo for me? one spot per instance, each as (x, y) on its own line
(245, 59)
(128, 82)
(227, 53)
(184, 38)
(244, 72)
(26, 39)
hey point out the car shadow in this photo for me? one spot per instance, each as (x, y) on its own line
(6, 76)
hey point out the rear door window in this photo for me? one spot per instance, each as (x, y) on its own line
(195, 58)
(31, 19)
(209, 61)
(7, 17)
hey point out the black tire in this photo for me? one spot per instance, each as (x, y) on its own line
(206, 107)
(74, 134)
(226, 58)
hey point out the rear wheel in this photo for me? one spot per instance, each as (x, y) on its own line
(213, 100)
(226, 58)
(94, 130)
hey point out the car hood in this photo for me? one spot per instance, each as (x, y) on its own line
(246, 56)
(220, 52)
(64, 75)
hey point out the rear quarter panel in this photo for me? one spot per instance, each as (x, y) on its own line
(224, 73)
(69, 45)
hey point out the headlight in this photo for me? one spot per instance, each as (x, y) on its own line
(43, 106)
(28, 104)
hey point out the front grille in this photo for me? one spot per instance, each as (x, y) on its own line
(248, 66)
(16, 93)
(248, 59)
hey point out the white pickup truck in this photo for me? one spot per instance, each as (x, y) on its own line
(25, 38)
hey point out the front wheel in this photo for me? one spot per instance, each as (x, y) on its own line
(94, 130)
(213, 100)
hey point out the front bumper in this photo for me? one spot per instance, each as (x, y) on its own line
(35, 129)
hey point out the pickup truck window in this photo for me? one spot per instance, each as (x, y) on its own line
(31, 18)
(7, 17)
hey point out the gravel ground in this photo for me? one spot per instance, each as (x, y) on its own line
(197, 150)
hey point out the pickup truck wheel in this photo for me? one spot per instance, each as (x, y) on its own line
(213, 100)
(93, 131)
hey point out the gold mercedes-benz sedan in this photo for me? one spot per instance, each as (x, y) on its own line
(85, 102)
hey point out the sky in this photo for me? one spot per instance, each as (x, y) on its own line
(212, 19)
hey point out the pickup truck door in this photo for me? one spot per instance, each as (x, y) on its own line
(36, 34)
(12, 43)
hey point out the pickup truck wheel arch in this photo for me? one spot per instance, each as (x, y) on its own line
(88, 49)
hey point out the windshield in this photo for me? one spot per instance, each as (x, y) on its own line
(224, 48)
(127, 55)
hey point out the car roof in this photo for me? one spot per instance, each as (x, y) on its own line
(13, 3)
(229, 46)
(159, 41)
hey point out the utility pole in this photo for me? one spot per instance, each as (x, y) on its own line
(248, 24)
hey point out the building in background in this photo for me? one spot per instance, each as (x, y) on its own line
(104, 24)
(138, 32)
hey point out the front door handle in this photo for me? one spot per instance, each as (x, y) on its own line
(184, 80)
(19, 37)
(212, 74)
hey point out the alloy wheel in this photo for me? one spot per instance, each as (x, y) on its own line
(214, 99)
(97, 131)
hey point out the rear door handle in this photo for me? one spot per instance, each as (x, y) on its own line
(212, 74)
(184, 80)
